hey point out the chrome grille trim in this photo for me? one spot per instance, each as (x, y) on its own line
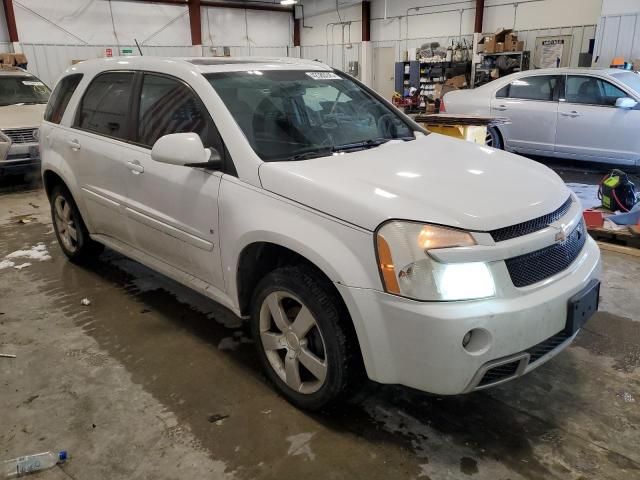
(525, 228)
(21, 135)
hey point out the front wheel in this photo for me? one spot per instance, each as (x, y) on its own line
(304, 338)
(70, 229)
(493, 138)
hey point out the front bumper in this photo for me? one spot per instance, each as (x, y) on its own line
(21, 158)
(419, 344)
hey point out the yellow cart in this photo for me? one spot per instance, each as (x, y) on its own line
(472, 128)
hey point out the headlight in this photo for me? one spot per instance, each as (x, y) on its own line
(407, 269)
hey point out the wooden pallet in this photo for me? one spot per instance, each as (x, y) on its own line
(629, 237)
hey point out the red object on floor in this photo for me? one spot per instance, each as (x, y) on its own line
(593, 218)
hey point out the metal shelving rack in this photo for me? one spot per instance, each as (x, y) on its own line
(477, 66)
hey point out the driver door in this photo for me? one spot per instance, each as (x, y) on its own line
(591, 127)
(173, 210)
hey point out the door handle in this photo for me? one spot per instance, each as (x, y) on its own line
(135, 167)
(500, 108)
(74, 144)
(573, 114)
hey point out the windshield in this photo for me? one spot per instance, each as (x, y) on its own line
(22, 90)
(294, 114)
(630, 79)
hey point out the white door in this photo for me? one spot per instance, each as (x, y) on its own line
(384, 61)
(531, 105)
(95, 147)
(173, 210)
(590, 127)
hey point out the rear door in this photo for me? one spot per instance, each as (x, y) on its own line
(96, 147)
(173, 210)
(531, 105)
(591, 127)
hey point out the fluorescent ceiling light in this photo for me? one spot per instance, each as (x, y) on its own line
(288, 2)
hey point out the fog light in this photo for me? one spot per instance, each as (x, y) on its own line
(466, 339)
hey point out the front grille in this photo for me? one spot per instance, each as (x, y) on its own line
(525, 228)
(21, 135)
(501, 372)
(540, 350)
(536, 266)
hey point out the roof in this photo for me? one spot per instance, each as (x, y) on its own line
(576, 70)
(199, 64)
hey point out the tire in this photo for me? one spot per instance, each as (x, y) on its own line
(304, 337)
(68, 223)
(494, 139)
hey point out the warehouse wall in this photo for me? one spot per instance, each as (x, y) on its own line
(52, 34)
(618, 32)
(442, 22)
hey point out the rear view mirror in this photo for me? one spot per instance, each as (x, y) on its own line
(626, 103)
(185, 149)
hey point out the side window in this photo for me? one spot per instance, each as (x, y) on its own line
(503, 92)
(540, 87)
(592, 91)
(168, 106)
(106, 105)
(60, 97)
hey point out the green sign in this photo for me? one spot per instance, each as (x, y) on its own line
(126, 51)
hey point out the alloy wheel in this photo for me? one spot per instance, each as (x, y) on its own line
(292, 342)
(65, 224)
(488, 139)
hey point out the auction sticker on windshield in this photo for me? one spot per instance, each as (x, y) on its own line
(323, 75)
(32, 83)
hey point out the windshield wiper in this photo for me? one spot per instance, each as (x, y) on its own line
(371, 143)
(311, 154)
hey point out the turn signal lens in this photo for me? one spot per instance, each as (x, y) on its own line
(431, 237)
(386, 266)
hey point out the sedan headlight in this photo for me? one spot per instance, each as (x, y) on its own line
(407, 269)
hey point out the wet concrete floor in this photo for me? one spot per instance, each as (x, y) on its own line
(151, 380)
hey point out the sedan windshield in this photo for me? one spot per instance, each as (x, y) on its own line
(630, 79)
(22, 90)
(295, 114)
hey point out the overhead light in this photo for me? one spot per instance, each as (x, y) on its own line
(288, 2)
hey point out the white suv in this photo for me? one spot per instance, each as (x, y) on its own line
(352, 239)
(22, 102)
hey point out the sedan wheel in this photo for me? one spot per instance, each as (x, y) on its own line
(292, 342)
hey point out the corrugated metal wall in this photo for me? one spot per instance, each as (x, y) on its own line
(49, 61)
(618, 36)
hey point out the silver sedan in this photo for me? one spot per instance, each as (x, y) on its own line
(582, 114)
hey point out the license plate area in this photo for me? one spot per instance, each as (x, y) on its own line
(582, 306)
(34, 153)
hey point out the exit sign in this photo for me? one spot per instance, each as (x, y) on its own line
(126, 51)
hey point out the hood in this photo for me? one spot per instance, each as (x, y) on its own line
(434, 179)
(21, 116)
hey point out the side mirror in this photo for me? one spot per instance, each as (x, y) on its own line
(626, 103)
(185, 149)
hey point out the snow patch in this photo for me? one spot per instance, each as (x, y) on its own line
(37, 252)
(299, 445)
(6, 264)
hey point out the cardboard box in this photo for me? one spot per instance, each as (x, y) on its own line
(489, 44)
(500, 47)
(636, 65)
(459, 81)
(520, 46)
(75, 62)
(20, 59)
(510, 38)
(13, 59)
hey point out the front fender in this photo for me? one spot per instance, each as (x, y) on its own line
(248, 214)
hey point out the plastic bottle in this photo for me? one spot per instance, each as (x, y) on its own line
(20, 466)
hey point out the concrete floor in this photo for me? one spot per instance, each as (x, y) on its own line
(154, 381)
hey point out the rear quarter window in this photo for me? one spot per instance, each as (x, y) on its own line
(60, 97)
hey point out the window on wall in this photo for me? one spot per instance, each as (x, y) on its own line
(60, 97)
(168, 106)
(539, 87)
(592, 91)
(106, 105)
